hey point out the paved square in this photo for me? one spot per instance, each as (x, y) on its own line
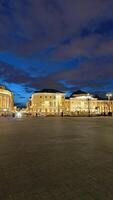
(56, 159)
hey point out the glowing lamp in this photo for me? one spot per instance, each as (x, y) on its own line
(18, 115)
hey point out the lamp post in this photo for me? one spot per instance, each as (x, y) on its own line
(109, 95)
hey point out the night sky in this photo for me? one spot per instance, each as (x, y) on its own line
(60, 44)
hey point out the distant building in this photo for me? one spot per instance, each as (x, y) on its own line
(6, 101)
(67, 106)
(47, 102)
(105, 106)
(80, 103)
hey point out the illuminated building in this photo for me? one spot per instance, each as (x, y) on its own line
(47, 102)
(82, 103)
(53, 102)
(105, 106)
(67, 106)
(6, 101)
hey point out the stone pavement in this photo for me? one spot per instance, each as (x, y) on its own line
(56, 159)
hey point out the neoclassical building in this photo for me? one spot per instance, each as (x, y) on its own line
(6, 101)
(80, 103)
(105, 106)
(47, 102)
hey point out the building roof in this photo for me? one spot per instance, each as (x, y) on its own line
(78, 92)
(2, 87)
(48, 91)
(67, 98)
(98, 97)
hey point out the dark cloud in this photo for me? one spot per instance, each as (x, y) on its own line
(31, 25)
(62, 44)
(13, 74)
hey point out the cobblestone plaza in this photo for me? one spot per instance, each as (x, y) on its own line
(56, 158)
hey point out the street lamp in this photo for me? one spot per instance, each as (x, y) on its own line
(109, 95)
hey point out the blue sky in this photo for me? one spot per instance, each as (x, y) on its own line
(60, 44)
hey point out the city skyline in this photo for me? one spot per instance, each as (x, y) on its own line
(67, 95)
(52, 102)
(66, 45)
